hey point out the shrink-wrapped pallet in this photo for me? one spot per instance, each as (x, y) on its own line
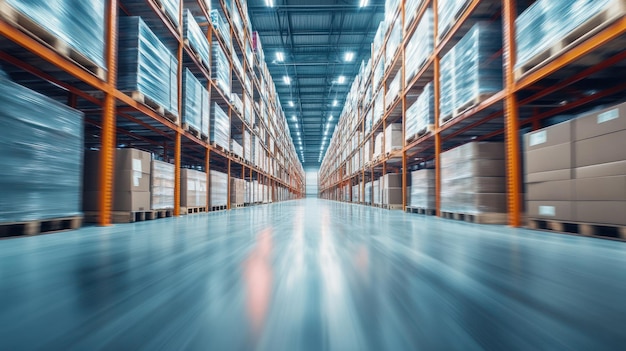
(393, 137)
(218, 189)
(420, 45)
(193, 188)
(162, 185)
(393, 91)
(411, 9)
(220, 68)
(376, 198)
(447, 11)
(393, 43)
(221, 26)
(42, 154)
(192, 101)
(421, 114)
(391, 189)
(146, 65)
(196, 38)
(421, 193)
(378, 145)
(237, 191)
(236, 148)
(220, 127)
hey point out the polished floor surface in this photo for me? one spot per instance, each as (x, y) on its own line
(311, 275)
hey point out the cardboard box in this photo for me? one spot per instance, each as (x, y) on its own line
(392, 196)
(561, 174)
(601, 212)
(601, 189)
(489, 203)
(122, 201)
(550, 158)
(601, 170)
(562, 190)
(133, 159)
(555, 210)
(601, 149)
(609, 120)
(550, 136)
(392, 180)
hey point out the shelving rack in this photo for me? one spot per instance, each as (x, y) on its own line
(114, 118)
(588, 72)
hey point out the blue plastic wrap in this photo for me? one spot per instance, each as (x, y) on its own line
(420, 46)
(42, 154)
(221, 25)
(447, 83)
(411, 8)
(220, 127)
(218, 188)
(393, 44)
(192, 101)
(78, 23)
(421, 113)
(448, 11)
(197, 39)
(545, 22)
(146, 65)
(220, 68)
(172, 9)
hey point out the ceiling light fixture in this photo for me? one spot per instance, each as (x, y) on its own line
(330, 118)
(287, 80)
(349, 57)
(335, 103)
(341, 80)
(363, 3)
(270, 3)
(294, 118)
(290, 103)
(280, 57)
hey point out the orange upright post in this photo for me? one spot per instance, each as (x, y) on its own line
(437, 132)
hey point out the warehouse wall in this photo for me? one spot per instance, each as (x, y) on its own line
(311, 182)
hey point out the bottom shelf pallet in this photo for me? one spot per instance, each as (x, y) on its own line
(192, 210)
(586, 229)
(392, 207)
(478, 218)
(40, 226)
(131, 216)
(420, 210)
(218, 208)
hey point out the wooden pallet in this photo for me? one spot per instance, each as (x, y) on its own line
(40, 226)
(613, 11)
(219, 147)
(236, 205)
(579, 228)
(192, 210)
(167, 15)
(35, 30)
(480, 218)
(428, 129)
(218, 208)
(143, 99)
(392, 207)
(194, 52)
(123, 216)
(420, 210)
(193, 131)
(477, 100)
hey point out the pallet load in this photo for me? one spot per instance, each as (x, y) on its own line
(219, 130)
(471, 71)
(368, 193)
(355, 193)
(248, 195)
(421, 193)
(131, 184)
(195, 38)
(237, 192)
(420, 117)
(193, 188)
(74, 27)
(220, 68)
(146, 67)
(393, 90)
(218, 190)
(420, 45)
(448, 11)
(247, 143)
(161, 185)
(376, 198)
(547, 27)
(393, 43)
(236, 148)
(378, 146)
(391, 189)
(221, 26)
(393, 137)
(38, 185)
(473, 183)
(195, 112)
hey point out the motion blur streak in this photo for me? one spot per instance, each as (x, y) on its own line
(311, 275)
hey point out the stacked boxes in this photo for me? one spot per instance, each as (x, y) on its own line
(193, 188)
(421, 114)
(221, 25)
(368, 193)
(237, 191)
(162, 185)
(192, 105)
(420, 46)
(393, 137)
(218, 189)
(41, 158)
(132, 177)
(421, 193)
(220, 127)
(146, 65)
(376, 192)
(391, 185)
(378, 145)
(473, 179)
(220, 68)
(447, 12)
(393, 90)
(236, 148)
(548, 165)
(195, 37)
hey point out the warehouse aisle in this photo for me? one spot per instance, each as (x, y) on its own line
(311, 275)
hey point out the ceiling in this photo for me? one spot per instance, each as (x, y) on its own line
(314, 37)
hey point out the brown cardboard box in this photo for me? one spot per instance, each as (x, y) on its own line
(131, 201)
(609, 120)
(601, 170)
(556, 210)
(550, 158)
(601, 212)
(392, 196)
(133, 159)
(562, 190)
(560, 174)
(481, 150)
(550, 136)
(601, 189)
(393, 180)
(128, 180)
(489, 203)
(601, 149)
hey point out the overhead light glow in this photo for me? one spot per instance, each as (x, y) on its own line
(363, 3)
(294, 118)
(287, 80)
(296, 125)
(349, 56)
(270, 3)
(330, 118)
(290, 103)
(298, 133)
(341, 80)
(327, 125)
(280, 57)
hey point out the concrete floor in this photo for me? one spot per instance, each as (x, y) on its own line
(311, 275)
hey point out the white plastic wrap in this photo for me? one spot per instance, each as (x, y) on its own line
(378, 145)
(221, 25)
(393, 92)
(448, 10)
(236, 148)
(220, 68)
(393, 137)
(421, 114)
(196, 38)
(393, 43)
(193, 188)
(421, 193)
(42, 154)
(379, 108)
(162, 185)
(192, 101)
(411, 7)
(237, 191)
(218, 189)
(420, 46)
(220, 127)
(376, 198)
